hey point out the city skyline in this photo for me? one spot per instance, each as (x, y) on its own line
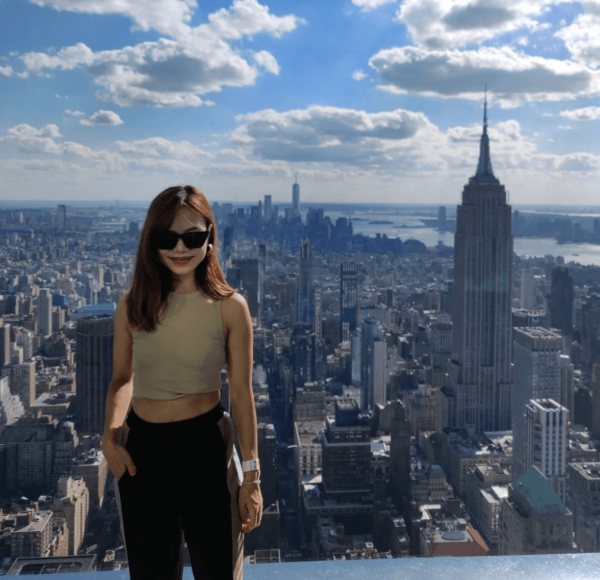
(107, 101)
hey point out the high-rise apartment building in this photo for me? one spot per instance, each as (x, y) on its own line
(372, 364)
(527, 298)
(399, 479)
(43, 312)
(561, 301)
(94, 355)
(11, 407)
(589, 318)
(346, 450)
(21, 378)
(546, 441)
(32, 535)
(481, 312)
(72, 501)
(537, 375)
(4, 344)
(348, 299)
(306, 305)
(583, 482)
(303, 353)
(441, 351)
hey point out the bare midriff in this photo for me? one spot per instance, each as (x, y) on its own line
(180, 409)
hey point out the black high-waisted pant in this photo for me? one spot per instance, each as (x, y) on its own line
(179, 490)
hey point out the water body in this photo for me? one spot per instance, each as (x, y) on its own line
(407, 223)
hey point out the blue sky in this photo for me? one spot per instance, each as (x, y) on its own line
(367, 100)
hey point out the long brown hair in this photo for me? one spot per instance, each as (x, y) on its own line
(152, 280)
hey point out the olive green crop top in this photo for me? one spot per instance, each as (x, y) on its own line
(185, 353)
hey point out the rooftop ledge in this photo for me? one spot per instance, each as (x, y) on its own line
(546, 567)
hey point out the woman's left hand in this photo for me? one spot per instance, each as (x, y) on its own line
(250, 504)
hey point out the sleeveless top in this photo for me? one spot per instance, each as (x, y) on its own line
(185, 353)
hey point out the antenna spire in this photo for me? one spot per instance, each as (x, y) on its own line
(485, 119)
(484, 173)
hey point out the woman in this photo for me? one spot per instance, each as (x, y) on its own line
(167, 440)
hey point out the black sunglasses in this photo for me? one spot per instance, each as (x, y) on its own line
(167, 240)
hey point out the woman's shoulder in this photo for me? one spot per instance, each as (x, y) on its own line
(233, 308)
(234, 302)
(121, 316)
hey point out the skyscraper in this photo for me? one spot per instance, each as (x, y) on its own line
(348, 300)
(246, 273)
(561, 303)
(372, 365)
(44, 312)
(296, 197)
(538, 369)
(268, 207)
(61, 217)
(95, 338)
(306, 304)
(481, 312)
(527, 289)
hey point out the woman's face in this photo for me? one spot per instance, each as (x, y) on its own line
(180, 260)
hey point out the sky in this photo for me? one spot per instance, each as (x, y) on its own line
(366, 101)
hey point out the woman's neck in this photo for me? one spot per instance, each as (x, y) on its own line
(185, 285)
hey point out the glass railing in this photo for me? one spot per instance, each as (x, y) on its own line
(545, 567)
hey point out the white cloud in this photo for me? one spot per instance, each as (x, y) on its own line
(160, 147)
(66, 59)
(389, 146)
(166, 16)
(31, 140)
(74, 113)
(359, 75)
(513, 78)
(581, 162)
(170, 72)
(456, 23)
(247, 18)
(582, 36)
(267, 61)
(240, 170)
(102, 118)
(160, 74)
(327, 134)
(584, 114)
(7, 71)
(155, 153)
(370, 4)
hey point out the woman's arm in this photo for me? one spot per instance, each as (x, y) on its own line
(119, 394)
(239, 372)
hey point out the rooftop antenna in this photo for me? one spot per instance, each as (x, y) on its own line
(296, 177)
(485, 120)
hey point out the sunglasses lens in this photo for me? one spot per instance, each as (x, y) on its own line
(193, 240)
(166, 240)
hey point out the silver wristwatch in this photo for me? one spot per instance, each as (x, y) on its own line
(250, 465)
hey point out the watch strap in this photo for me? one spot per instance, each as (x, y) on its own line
(250, 465)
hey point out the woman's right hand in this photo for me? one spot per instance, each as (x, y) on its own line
(118, 459)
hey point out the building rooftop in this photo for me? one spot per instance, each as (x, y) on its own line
(588, 470)
(539, 493)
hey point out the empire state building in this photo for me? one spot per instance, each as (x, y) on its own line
(482, 326)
